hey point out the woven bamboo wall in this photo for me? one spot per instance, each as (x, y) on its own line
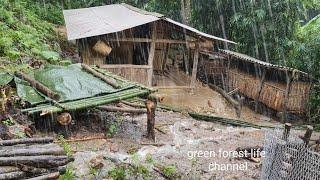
(135, 74)
(247, 84)
(273, 95)
(214, 66)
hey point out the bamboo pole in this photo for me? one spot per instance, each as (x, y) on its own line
(92, 102)
(125, 110)
(39, 86)
(109, 81)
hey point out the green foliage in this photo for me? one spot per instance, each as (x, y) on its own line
(112, 130)
(170, 171)
(7, 122)
(24, 35)
(117, 173)
(68, 175)
(66, 146)
(149, 158)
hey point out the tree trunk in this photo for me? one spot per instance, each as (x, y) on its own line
(151, 109)
(26, 141)
(8, 169)
(185, 11)
(32, 152)
(46, 161)
(12, 175)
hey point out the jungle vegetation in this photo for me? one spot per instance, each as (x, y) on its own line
(284, 32)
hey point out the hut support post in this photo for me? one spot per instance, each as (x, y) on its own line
(227, 73)
(262, 79)
(195, 66)
(286, 97)
(151, 105)
(151, 53)
(166, 57)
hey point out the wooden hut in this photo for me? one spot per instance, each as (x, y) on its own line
(134, 43)
(280, 88)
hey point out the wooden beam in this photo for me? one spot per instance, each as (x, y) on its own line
(152, 53)
(147, 40)
(234, 103)
(195, 66)
(115, 66)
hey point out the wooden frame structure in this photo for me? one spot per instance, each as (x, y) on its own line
(143, 73)
(283, 89)
(139, 42)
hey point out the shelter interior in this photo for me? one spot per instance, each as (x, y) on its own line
(155, 54)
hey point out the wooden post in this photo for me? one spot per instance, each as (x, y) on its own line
(286, 131)
(166, 57)
(151, 53)
(151, 105)
(195, 65)
(286, 96)
(262, 79)
(307, 135)
(227, 73)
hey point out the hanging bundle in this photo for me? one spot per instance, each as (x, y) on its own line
(102, 48)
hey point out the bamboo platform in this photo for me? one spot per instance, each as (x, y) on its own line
(129, 90)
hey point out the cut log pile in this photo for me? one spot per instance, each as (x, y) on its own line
(32, 158)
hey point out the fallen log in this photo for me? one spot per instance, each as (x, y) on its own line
(26, 141)
(12, 175)
(39, 86)
(30, 146)
(54, 175)
(233, 102)
(125, 110)
(32, 152)
(46, 161)
(8, 169)
(32, 171)
(110, 81)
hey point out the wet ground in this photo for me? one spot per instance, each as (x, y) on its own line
(179, 139)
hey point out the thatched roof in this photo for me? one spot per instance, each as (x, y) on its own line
(250, 59)
(95, 21)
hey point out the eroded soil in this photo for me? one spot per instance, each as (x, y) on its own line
(176, 138)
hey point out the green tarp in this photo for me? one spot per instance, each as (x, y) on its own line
(5, 78)
(70, 82)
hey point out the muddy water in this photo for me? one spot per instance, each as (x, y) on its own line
(205, 100)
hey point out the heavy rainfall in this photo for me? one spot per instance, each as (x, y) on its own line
(156, 89)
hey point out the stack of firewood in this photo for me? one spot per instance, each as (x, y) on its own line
(34, 158)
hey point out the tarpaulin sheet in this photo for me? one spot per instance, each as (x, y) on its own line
(5, 78)
(70, 82)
